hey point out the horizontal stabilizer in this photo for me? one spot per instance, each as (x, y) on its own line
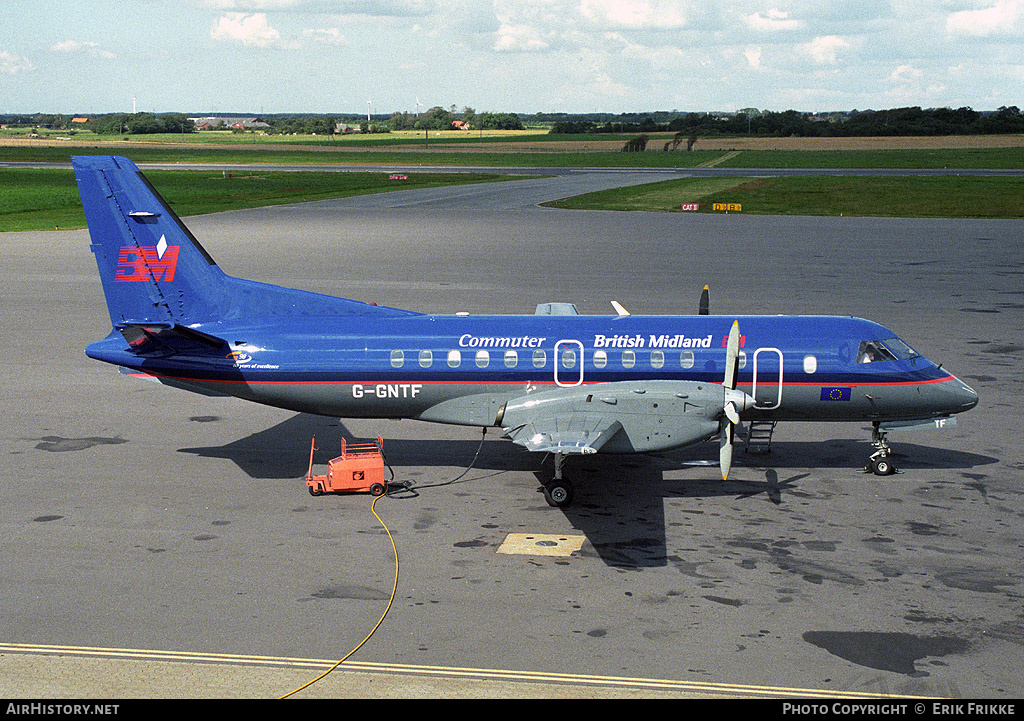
(162, 339)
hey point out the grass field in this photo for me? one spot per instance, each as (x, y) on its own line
(905, 197)
(529, 148)
(38, 199)
(48, 199)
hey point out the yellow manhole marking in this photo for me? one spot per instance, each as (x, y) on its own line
(541, 544)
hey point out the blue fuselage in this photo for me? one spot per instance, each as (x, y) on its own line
(795, 367)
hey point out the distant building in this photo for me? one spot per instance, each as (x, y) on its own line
(827, 117)
(215, 122)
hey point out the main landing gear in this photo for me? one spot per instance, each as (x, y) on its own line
(880, 463)
(558, 491)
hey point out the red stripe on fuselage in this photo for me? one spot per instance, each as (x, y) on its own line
(829, 384)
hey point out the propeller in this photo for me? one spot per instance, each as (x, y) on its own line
(704, 305)
(735, 401)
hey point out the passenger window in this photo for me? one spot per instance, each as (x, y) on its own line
(483, 358)
(511, 359)
(397, 359)
(686, 359)
(742, 359)
(454, 359)
(426, 358)
(568, 358)
(657, 359)
(540, 358)
(600, 359)
(628, 359)
(810, 364)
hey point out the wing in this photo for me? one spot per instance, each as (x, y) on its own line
(619, 417)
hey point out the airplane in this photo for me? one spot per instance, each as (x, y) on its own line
(556, 382)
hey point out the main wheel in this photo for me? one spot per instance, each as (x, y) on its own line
(558, 493)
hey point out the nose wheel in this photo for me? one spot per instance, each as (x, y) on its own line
(880, 462)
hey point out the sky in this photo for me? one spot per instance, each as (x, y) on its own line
(524, 56)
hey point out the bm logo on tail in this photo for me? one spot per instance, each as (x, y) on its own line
(138, 265)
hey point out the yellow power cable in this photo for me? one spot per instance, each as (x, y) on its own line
(391, 600)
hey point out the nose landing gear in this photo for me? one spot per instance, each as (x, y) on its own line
(880, 463)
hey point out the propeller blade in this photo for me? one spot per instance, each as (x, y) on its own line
(732, 352)
(725, 451)
(703, 302)
(619, 308)
(731, 413)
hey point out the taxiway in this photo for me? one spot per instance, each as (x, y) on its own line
(145, 520)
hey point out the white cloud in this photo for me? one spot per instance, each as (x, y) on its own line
(87, 48)
(633, 14)
(824, 50)
(1004, 18)
(905, 74)
(13, 64)
(518, 38)
(250, 4)
(753, 56)
(251, 30)
(772, 21)
(325, 36)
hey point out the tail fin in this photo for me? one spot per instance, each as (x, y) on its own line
(154, 271)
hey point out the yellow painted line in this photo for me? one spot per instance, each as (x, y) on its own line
(541, 544)
(479, 673)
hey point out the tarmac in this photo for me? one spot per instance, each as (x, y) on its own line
(160, 544)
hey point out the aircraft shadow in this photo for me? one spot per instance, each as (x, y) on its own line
(282, 451)
(620, 503)
(619, 500)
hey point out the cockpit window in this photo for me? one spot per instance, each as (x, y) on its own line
(872, 351)
(900, 349)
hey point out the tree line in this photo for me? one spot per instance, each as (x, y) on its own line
(108, 124)
(748, 121)
(436, 118)
(897, 121)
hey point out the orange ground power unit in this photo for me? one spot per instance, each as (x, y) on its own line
(359, 469)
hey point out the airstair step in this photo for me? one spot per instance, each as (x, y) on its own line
(759, 436)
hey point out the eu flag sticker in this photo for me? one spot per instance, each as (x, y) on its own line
(835, 394)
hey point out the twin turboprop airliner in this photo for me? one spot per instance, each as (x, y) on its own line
(555, 382)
